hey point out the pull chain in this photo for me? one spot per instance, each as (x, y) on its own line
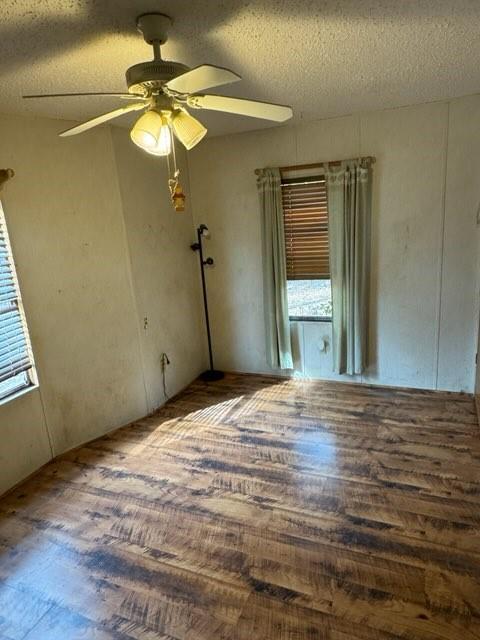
(176, 192)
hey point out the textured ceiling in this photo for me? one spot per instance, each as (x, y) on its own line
(325, 58)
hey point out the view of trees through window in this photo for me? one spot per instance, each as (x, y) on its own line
(309, 298)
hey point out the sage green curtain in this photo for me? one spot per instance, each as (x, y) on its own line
(349, 212)
(277, 324)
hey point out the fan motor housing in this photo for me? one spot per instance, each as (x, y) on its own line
(146, 76)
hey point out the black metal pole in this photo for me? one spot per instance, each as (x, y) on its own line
(211, 374)
(205, 301)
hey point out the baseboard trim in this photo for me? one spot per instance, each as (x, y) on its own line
(369, 385)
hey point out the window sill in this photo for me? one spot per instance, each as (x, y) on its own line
(308, 319)
(17, 394)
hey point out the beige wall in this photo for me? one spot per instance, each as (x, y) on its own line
(460, 272)
(94, 239)
(424, 240)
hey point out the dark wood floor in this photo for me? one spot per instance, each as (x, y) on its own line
(255, 509)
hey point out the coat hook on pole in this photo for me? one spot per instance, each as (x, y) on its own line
(202, 232)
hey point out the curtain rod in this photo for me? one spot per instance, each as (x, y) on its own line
(317, 165)
(5, 174)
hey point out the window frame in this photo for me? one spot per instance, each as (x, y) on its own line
(310, 318)
(31, 380)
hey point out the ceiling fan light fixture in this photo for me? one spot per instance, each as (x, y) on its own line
(151, 132)
(165, 91)
(187, 129)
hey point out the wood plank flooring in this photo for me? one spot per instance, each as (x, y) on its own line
(255, 509)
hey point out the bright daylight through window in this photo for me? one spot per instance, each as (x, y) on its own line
(16, 361)
(305, 211)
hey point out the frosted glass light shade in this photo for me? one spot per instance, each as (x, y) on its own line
(163, 145)
(187, 129)
(152, 133)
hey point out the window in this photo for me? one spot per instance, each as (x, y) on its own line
(16, 361)
(305, 213)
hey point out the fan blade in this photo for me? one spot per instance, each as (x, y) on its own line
(201, 78)
(239, 106)
(80, 128)
(94, 93)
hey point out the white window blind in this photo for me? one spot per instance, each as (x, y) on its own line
(16, 361)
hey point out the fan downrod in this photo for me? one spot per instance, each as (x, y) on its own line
(154, 27)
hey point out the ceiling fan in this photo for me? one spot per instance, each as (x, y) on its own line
(165, 90)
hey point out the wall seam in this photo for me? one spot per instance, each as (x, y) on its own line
(192, 206)
(436, 363)
(195, 222)
(295, 133)
(47, 428)
(130, 273)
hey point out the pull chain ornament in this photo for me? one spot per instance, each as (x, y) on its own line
(177, 196)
